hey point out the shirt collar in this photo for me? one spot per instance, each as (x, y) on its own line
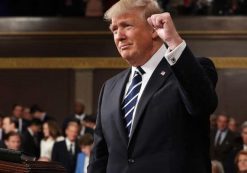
(80, 117)
(153, 62)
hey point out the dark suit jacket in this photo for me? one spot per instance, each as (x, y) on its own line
(170, 133)
(30, 145)
(61, 154)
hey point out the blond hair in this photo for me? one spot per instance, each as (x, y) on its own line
(148, 7)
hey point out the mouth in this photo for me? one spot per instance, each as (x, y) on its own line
(124, 47)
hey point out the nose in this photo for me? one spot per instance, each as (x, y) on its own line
(120, 35)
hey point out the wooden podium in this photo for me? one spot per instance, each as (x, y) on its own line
(31, 167)
(17, 162)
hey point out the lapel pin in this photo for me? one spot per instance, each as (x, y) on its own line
(162, 73)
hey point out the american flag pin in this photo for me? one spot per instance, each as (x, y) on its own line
(162, 73)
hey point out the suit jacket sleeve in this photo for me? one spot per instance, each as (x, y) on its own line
(197, 78)
(99, 155)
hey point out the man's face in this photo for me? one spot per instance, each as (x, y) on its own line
(7, 125)
(17, 112)
(244, 135)
(72, 133)
(14, 142)
(222, 122)
(79, 108)
(133, 37)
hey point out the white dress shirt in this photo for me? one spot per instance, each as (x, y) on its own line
(47, 145)
(68, 143)
(171, 56)
(86, 163)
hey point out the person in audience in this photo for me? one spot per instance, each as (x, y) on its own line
(10, 124)
(39, 113)
(80, 117)
(85, 143)
(17, 112)
(51, 134)
(217, 167)
(222, 141)
(241, 161)
(13, 141)
(65, 151)
(27, 114)
(233, 125)
(31, 138)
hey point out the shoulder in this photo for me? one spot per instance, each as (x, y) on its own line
(113, 80)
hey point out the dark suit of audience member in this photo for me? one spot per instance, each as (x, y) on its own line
(62, 154)
(31, 138)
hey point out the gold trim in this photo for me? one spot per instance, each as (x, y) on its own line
(97, 63)
(100, 33)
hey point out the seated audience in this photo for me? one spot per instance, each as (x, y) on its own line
(31, 138)
(65, 151)
(85, 143)
(13, 141)
(241, 162)
(52, 134)
(217, 167)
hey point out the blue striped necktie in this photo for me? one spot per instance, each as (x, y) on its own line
(130, 98)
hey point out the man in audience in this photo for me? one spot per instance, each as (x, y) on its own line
(233, 125)
(13, 141)
(81, 118)
(39, 113)
(222, 141)
(17, 112)
(31, 138)
(27, 114)
(65, 151)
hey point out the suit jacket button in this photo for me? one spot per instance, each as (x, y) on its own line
(131, 161)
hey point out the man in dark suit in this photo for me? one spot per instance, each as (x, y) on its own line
(222, 141)
(154, 116)
(65, 152)
(31, 139)
(17, 112)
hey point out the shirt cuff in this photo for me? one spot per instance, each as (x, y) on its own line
(172, 56)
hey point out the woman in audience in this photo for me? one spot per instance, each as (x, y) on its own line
(217, 167)
(241, 161)
(52, 134)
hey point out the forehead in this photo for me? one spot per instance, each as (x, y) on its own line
(132, 15)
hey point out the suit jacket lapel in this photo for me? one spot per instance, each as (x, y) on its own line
(159, 76)
(118, 92)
